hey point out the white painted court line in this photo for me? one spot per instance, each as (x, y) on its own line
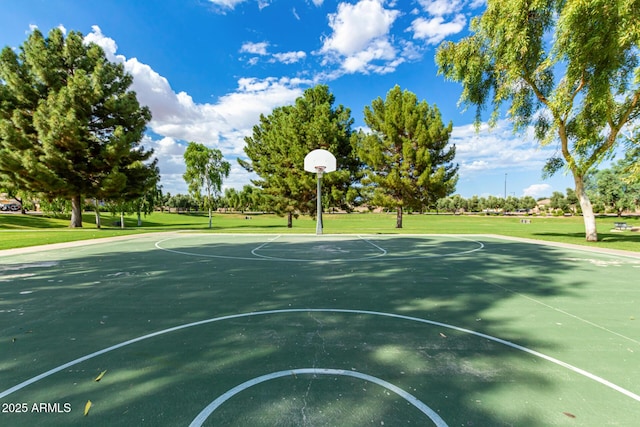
(382, 255)
(580, 248)
(323, 310)
(314, 240)
(209, 409)
(254, 250)
(566, 313)
(384, 252)
(159, 243)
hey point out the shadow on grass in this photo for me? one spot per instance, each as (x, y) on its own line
(30, 220)
(59, 307)
(190, 220)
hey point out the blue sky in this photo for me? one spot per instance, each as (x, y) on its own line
(208, 68)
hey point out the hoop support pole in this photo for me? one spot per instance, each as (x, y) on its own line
(319, 203)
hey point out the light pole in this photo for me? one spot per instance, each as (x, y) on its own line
(505, 186)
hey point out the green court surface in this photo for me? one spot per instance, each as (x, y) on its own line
(295, 330)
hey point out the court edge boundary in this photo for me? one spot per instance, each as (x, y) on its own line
(87, 242)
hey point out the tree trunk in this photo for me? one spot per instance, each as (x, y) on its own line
(290, 220)
(399, 217)
(122, 220)
(591, 233)
(139, 219)
(210, 219)
(23, 211)
(76, 212)
(97, 211)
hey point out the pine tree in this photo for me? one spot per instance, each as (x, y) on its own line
(407, 156)
(281, 141)
(69, 126)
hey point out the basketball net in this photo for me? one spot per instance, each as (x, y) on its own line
(320, 170)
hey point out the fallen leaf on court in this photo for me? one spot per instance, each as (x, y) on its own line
(442, 335)
(87, 407)
(569, 414)
(99, 377)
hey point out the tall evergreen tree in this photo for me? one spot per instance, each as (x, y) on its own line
(69, 126)
(407, 156)
(281, 140)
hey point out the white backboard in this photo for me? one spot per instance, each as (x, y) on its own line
(320, 159)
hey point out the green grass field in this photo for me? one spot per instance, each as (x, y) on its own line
(217, 329)
(28, 230)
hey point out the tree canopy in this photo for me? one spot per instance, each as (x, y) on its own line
(569, 68)
(281, 140)
(69, 125)
(407, 155)
(617, 188)
(206, 169)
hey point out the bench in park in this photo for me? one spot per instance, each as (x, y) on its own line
(525, 221)
(622, 226)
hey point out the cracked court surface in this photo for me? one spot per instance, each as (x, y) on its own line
(208, 329)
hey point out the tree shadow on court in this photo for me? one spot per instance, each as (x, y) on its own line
(416, 312)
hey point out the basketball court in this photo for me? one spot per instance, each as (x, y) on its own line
(319, 330)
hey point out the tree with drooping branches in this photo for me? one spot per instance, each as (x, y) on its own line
(569, 68)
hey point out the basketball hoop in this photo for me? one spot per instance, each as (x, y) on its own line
(319, 161)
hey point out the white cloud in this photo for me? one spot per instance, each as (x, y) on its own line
(537, 190)
(475, 165)
(226, 4)
(441, 7)
(289, 57)
(177, 119)
(361, 61)
(262, 50)
(255, 48)
(435, 30)
(497, 148)
(152, 89)
(169, 153)
(168, 148)
(360, 37)
(263, 3)
(238, 177)
(356, 26)
(474, 4)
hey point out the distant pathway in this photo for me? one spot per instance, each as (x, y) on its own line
(78, 243)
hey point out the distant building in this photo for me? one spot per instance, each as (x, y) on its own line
(542, 206)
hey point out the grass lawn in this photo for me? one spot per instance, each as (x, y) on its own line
(18, 230)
